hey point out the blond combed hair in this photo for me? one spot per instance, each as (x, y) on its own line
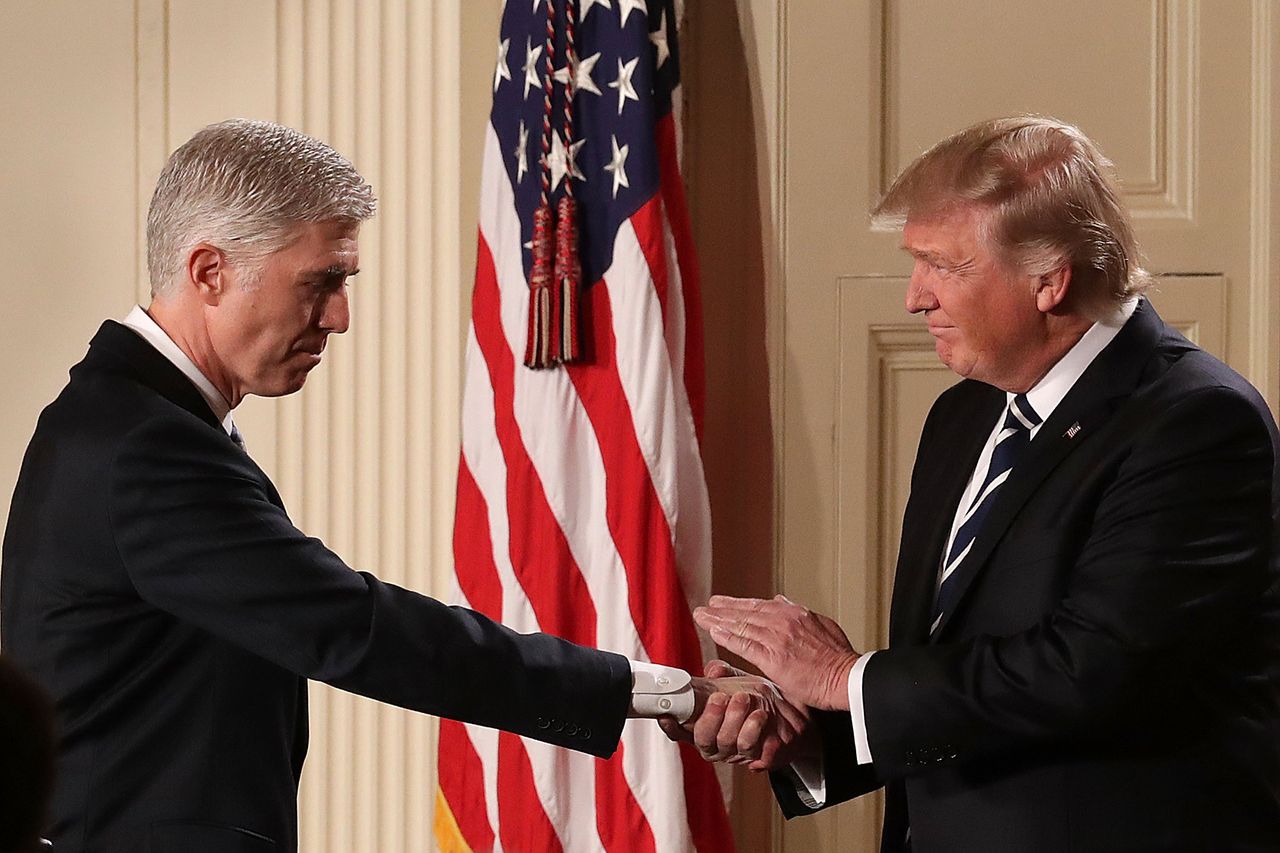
(245, 186)
(1049, 196)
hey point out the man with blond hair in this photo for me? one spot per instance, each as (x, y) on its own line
(153, 583)
(1083, 652)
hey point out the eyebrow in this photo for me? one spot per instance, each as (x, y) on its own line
(334, 271)
(924, 254)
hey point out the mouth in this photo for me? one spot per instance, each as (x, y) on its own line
(311, 356)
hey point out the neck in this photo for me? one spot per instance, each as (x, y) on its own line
(1062, 332)
(184, 324)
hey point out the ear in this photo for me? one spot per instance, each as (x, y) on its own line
(208, 271)
(1052, 288)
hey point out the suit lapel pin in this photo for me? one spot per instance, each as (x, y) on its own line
(1072, 431)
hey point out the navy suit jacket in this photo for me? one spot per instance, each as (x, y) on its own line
(1110, 680)
(155, 586)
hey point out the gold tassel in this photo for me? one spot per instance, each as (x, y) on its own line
(568, 281)
(537, 352)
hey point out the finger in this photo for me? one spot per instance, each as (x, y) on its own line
(772, 754)
(708, 724)
(734, 601)
(833, 630)
(720, 669)
(674, 730)
(744, 638)
(730, 671)
(752, 735)
(740, 707)
(774, 621)
(725, 606)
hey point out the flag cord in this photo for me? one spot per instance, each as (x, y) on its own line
(556, 271)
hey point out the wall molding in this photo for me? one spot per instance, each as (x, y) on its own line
(1264, 256)
(151, 121)
(1167, 193)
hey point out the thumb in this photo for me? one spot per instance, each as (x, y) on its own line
(717, 668)
(674, 730)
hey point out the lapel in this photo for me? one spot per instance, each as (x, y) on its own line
(942, 473)
(1111, 378)
(120, 344)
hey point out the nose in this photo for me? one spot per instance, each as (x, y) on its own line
(920, 296)
(335, 312)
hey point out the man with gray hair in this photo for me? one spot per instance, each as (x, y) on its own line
(1083, 651)
(153, 583)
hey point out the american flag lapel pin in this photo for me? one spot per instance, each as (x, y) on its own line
(1072, 431)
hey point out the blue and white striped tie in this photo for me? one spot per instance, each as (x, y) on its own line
(1014, 436)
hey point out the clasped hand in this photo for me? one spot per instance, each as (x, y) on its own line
(805, 658)
(740, 719)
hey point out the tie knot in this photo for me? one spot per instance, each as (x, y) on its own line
(1021, 415)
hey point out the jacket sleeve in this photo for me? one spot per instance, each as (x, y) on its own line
(1180, 550)
(200, 539)
(845, 778)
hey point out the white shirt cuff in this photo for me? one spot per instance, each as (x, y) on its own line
(660, 691)
(861, 745)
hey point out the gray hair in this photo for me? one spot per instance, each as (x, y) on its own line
(1050, 199)
(245, 186)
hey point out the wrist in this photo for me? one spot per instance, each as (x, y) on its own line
(837, 692)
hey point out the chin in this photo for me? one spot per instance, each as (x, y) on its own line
(284, 388)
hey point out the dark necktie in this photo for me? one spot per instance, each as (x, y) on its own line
(237, 437)
(1014, 437)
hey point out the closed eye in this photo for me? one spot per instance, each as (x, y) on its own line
(329, 279)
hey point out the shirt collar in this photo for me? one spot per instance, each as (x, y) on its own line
(1049, 391)
(149, 330)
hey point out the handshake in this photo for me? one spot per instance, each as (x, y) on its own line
(763, 722)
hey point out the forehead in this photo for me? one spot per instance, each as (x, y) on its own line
(948, 233)
(327, 244)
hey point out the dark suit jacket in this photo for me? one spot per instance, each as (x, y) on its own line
(1110, 680)
(153, 582)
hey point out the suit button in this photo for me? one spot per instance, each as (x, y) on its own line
(541, 722)
(559, 726)
(585, 733)
(571, 730)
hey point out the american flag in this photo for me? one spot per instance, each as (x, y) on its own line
(582, 508)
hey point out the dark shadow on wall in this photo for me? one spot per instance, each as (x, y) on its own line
(723, 169)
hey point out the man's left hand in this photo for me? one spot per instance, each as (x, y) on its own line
(805, 653)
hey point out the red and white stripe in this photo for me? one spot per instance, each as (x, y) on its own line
(582, 512)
